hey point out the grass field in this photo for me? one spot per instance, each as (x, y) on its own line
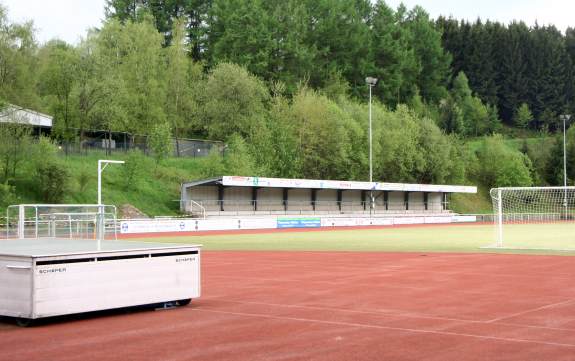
(453, 238)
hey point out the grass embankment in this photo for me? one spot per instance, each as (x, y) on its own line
(156, 190)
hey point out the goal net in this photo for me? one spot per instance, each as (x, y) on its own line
(61, 221)
(534, 218)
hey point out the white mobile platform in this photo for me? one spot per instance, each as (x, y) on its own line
(42, 278)
(53, 269)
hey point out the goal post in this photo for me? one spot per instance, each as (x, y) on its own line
(61, 221)
(534, 217)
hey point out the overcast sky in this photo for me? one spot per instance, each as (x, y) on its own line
(69, 19)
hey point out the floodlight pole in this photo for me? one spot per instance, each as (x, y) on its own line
(371, 83)
(565, 118)
(101, 168)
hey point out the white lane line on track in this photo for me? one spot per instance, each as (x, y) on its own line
(530, 311)
(360, 325)
(385, 312)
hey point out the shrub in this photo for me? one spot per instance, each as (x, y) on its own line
(134, 169)
(52, 180)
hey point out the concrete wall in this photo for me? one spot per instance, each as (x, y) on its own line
(270, 199)
(416, 201)
(299, 200)
(238, 199)
(351, 201)
(435, 202)
(396, 202)
(206, 196)
(326, 200)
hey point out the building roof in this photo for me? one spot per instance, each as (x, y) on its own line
(19, 115)
(262, 182)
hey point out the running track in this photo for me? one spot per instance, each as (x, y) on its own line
(335, 306)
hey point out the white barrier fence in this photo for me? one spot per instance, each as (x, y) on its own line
(199, 225)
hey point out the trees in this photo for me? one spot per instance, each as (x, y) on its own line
(58, 78)
(18, 63)
(240, 33)
(180, 73)
(160, 141)
(501, 166)
(523, 116)
(395, 61)
(15, 141)
(425, 39)
(477, 117)
(233, 101)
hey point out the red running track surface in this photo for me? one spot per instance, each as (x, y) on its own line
(336, 306)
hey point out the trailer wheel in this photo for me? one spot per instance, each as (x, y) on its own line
(24, 322)
(184, 302)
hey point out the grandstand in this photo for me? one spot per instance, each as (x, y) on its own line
(258, 196)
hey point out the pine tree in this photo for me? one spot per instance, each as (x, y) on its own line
(523, 116)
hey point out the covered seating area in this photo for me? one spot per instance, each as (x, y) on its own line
(258, 196)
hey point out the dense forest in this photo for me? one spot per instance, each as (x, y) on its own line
(283, 84)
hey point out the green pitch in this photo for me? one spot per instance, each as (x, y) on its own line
(459, 238)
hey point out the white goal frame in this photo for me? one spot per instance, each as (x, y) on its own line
(73, 221)
(531, 205)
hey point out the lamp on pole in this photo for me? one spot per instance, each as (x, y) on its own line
(565, 118)
(371, 82)
(101, 168)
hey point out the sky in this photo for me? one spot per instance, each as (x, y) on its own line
(70, 19)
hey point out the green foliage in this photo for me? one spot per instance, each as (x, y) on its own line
(233, 102)
(136, 166)
(15, 144)
(160, 142)
(501, 166)
(57, 81)
(325, 140)
(466, 114)
(212, 165)
(523, 116)
(53, 180)
(83, 179)
(238, 159)
(8, 195)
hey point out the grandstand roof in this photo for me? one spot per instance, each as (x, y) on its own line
(18, 115)
(262, 182)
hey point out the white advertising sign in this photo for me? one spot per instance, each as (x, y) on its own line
(435, 220)
(157, 226)
(409, 220)
(263, 223)
(461, 219)
(354, 222)
(327, 184)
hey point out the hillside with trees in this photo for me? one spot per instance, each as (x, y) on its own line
(282, 84)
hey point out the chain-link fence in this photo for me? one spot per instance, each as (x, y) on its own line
(123, 142)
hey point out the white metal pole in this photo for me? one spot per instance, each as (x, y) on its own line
(21, 221)
(370, 157)
(370, 140)
(100, 222)
(99, 233)
(564, 164)
(99, 181)
(499, 219)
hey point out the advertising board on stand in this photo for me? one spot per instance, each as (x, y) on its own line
(157, 226)
(308, 222)
(229, 224)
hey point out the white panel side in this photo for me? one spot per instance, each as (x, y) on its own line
(15, 287)
(91, 286)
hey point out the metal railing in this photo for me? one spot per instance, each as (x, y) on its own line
(242, 208)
